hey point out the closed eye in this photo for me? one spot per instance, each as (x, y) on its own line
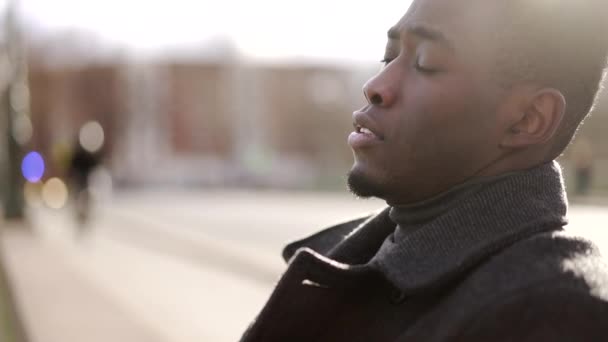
(425, 70)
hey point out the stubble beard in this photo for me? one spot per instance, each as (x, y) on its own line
(363, 186)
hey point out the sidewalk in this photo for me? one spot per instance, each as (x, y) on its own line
(127, 287)
(57, 304)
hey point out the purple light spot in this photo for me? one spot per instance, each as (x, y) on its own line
(32, 167)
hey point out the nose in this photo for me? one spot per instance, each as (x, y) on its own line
(379, 90)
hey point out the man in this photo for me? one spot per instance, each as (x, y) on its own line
(459, 136)
(81, 165)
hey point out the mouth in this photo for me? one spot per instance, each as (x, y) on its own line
(364, 130)
(366, 125)
(364, 134)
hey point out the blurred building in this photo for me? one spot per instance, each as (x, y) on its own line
(215, 120)
(218, 120)
(236, 123)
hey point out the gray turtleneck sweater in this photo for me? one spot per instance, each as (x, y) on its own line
(486, 261)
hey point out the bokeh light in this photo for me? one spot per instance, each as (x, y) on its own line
(22, 129)
(55, 193)
(20, 97)
(33, 167)
(92, 136)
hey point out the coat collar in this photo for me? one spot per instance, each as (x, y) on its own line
(499, 214)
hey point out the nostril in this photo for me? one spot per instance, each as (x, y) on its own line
(376, 99)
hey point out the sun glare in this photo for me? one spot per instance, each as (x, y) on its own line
(338, 29)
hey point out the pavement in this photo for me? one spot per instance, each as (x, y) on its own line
(58, 304)
(172, 266)
(175, 267)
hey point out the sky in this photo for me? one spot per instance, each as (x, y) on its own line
(267, 29)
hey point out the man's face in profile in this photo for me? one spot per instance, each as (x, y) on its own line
(431, 117)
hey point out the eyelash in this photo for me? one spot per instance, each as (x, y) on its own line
(387, 61)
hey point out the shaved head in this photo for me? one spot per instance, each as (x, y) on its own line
(560, 44)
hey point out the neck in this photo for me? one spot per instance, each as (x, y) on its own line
(410, 217)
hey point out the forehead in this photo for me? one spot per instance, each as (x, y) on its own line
(461, 21)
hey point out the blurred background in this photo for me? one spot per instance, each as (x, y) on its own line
(156, 155)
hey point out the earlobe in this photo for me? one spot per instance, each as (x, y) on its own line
(539, 120)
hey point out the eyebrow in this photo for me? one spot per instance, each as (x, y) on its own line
(421, 31)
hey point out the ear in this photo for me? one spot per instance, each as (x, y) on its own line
(538, 121)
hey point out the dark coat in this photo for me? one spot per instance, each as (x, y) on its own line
(498, 267)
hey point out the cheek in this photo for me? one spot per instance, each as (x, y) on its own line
(440, 106)
(444, 120)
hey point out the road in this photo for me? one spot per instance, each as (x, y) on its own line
(266, 221)
(198, 266)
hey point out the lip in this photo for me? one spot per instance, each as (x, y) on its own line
(357, 139)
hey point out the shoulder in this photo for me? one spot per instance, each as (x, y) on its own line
(542, 258)
(562, 255)
(548, 312)
(553, 286)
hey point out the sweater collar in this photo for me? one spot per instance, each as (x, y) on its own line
(411, 217)
(481, 222)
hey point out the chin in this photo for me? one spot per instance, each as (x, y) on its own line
(364, 184)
